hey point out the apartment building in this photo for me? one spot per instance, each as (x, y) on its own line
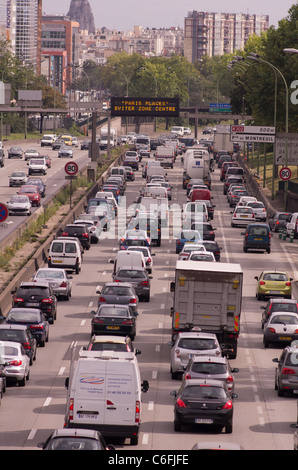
(219, 33)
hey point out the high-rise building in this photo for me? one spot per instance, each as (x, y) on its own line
(219, 33)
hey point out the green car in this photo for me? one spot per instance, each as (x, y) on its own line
(273, 284)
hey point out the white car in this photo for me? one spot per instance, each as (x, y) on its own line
(190, 248)
(17, 363)
(37, 165)
(147, 255)
(242, 215)
(187, 131)
(31, 153)
(58, 279)
(201, 256)
(245, 199)
(19, 205)
(259, 210)
(133, 233)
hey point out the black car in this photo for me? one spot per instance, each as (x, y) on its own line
(115, 320)
(1, 158)
(32, 317)
(203, 402)
(57, 144)
(212, 246)
(278, 221)
(79, 231)
(15, 152)
(206, 228)
(75, 439)
(20, 334)
(36, 295)
(32, 181)
(85, 144)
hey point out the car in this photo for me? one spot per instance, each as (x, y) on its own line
(286, 372)
(189, 343)
(278, 305)
(184, 236)
(257, 236)
(32, 192)
(235, 195)
(278, 221)
(121, 293)
(93, 229)
(20, 334)
(65, 151)
(207, 229)
(79, 231)
(19, 205)
(17, 363)
(147, 225)
(130, 176)
(187, 130)
(85, 144)
(48, 160)
(202, 256)
(75, 439)
(37, 165)
(204, 401)
(2, 155)
(134, 241)
(114, 319)
(37, 181)
(190, 248)
(15, 152)
(47, 140)
(139, 279)
(75, 142)
(245, 199)
(29, 153)
(213, 247)
(58, 279)
(38, 295)
(57, 144)
(259, 210)
(32, 317)
(210, 207)
(224, 158)
(280, 328)
(17, 178)
(230, 180)
(147, 255)
(242, 215)
(211, 367)
(272, 284)
(111, 343)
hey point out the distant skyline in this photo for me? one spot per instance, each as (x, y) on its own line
(124, 15)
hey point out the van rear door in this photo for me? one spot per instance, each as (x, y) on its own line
(121, 391)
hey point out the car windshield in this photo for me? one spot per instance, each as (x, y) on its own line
(197, 343)
(50, 274)
(113, 312)
(131, 273)
(292, 359)
(258, 231)
(256, 205)
(19, 199)
(18, 173)
(40, 290)
(275, 277)
(284, 319)
(204, 391)
(137, 242)
(286, 217)
(11, 335)
(116, 290)
(189, 235)
(74, 443)
(8, 351)
(19, 315)
(214, 368)
(201, 257)
(109, 346)
(285, 307)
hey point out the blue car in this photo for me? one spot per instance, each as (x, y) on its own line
(186, 236)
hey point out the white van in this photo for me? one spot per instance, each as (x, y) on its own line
(158, 191)
(178, 130)
(293, 225)
(104, 394)
(47, 140)
(129, 259)
(65, 253)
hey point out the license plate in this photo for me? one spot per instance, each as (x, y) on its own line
(275, 292)
(203, 421)
(57, 261)
(258, 238)
(112, 327)
(87, 416)
(32, 304)
(285, 338)
(244, 216)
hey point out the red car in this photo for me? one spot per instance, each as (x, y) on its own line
(48, 160)
(32, 192)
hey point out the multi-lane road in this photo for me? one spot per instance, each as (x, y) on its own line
(261, 418)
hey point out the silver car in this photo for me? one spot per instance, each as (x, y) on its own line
(188, 344)
(31, 153)
(211, 367)
(120, 293)
(17, 178)
(17, 363)
(59, 280)
(65, 151)
(19, 205)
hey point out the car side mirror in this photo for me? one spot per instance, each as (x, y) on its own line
(145, 386)
(66, 383)
(275, 359)
(256, 278)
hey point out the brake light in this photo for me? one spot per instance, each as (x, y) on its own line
(97, 320)
(64, 234)
(70, 409)
(133, 301)
(117, 280)
(228, 405)
(15, 363)
(47, 301)
(127, 322)
(177, 352)
(102, 299)
(262, 283)
(26, 345)
(288, 371)
(230, 379)
(288, 283)
(144, 283)
(36, 327)
(180, 403)
(187, 376)
(272, 330)
(138, 411)
(18, 299)
(63, 284)
(85, 235)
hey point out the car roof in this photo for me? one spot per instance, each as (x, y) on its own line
(117, 284)
(220, 359)
(283, 300)
(10, 326)
(109, 338)
(195, 334)
(212, 382)
(34, 284)
(89, 433)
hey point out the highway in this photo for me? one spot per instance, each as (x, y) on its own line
(261, 418)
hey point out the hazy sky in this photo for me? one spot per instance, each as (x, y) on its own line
(124, 14)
